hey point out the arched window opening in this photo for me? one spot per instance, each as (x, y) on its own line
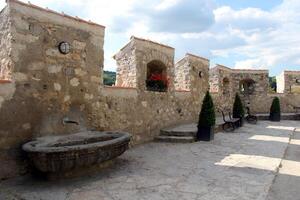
(247, 86)
(226, 87)
(157, 79)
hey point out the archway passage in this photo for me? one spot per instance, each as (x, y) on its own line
(247, 86)
(157, 79)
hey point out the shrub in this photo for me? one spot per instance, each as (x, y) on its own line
(238, 108)
(275, 112)
(207, 117)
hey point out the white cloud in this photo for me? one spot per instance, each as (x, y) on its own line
(2, 4)
(253, 37)
(271, 38)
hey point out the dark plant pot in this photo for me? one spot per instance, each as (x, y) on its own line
(241, 121)
(275, 117)
(205, 133)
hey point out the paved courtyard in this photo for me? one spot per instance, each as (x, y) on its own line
(255, 162)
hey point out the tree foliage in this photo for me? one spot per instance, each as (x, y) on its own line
(238, 108)
(275, 107)
(207, 116)
(109, 78)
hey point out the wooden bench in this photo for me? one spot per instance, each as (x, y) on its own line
(231, 123)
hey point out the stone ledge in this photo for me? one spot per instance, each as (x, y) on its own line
(199, 57)
(54, 12)
(5, 81)
(150, 41)
(118, 87)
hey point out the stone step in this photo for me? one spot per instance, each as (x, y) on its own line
(175, 139)
(178, 133)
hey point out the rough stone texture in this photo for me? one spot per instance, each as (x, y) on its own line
(49, 86)
(187, 74)
(35, 102)
(133, 59)
(60, 154)
(225, 82)
(288, 82)
(5, 45)
(240, 165)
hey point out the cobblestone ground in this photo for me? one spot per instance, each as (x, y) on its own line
(240, 165)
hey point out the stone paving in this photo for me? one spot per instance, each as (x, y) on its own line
(240, 165)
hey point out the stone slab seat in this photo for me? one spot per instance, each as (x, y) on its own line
(284, 116)
(63, 153)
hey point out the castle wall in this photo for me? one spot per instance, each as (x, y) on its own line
(47, 86)
(289, 82)
(260, 99)
(42, 86)
(5, 45)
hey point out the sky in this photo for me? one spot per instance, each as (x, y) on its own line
(254, 34)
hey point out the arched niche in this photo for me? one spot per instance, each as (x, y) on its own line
(247, 86)
(156, 79)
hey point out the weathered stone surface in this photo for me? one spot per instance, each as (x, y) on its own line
(41, 93)
(225, 83)
(288, 82)
(53, 69)
(240, 165)
(56, 154)
(45, 86)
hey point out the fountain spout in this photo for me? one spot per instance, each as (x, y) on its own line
(66, 120)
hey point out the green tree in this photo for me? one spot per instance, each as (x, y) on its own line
(272, 84)
(275, 111)
(207, 116)
(238, 108)
(109, 78)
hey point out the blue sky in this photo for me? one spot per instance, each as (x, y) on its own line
(256, 34)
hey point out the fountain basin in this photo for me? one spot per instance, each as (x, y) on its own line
(53, 154)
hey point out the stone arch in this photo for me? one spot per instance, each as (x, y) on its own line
(226, 85)
(247, 86)
(156, 78)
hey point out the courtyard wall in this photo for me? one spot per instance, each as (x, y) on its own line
(44, 86)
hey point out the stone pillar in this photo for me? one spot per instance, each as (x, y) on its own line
(133, 59)
(192, 74)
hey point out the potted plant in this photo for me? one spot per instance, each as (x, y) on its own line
(275, 113)
(207, 119)
(238, 109)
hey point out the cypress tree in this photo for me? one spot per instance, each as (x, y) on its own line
(207, 117)
(275, 112)
(238, 108)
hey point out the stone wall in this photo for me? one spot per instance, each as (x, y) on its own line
(5, 45)
(44, 86)
(288, 82)
(47, 86)
(153, 110)
(190, 74)
(259, 100)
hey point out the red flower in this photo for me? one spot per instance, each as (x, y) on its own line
(159, 77)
